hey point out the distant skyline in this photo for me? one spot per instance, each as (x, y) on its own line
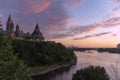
(82, 23)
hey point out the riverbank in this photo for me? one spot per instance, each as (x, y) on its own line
(101, 50)
(51, 68)
(84, 59)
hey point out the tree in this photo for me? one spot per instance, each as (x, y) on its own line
(11, 68)
(91, 73)
(115, 71)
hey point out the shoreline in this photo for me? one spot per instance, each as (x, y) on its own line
(53, 68)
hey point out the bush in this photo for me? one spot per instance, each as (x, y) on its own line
(11, 68)
(91, 73)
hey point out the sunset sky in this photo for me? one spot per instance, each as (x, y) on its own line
(82, 23)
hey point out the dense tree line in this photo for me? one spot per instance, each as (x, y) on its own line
(42, 53)
(11, 68)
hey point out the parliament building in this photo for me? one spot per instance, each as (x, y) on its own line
(16, 33)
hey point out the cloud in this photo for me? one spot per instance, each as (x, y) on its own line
(1, 1)
(59, 36)
(116, 9)
(77, 30)
(114, 35)
(51, 14)
(115, 1)
(94, 35)
(111, 22)
(101, 34)
(85, 37)
(71, 31)
(82, 29)
(38, 6)
(72, 4)
(114, 13)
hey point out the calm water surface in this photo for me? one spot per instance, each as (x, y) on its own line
(83, 60)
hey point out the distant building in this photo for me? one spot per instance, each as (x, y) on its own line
(37, 35)
(118, 46)
(19, 34)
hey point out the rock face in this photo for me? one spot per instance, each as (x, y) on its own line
(37, 35)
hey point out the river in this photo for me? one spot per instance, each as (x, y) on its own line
(85, 59)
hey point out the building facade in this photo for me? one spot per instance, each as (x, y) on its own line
(118, 46)
(19, 34)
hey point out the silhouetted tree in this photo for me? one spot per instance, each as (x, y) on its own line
(91, 73)
(115, 71)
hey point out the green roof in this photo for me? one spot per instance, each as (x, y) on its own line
(4, 32)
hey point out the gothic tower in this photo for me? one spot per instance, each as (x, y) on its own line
(0, 24)
(37, 35)
(17, 31)
(12, 29)
(9, 21)
(10, 26)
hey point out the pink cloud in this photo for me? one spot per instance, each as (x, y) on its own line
(51, 15)
(38, 6)
(114, 35)
(76, 30)
(115, 21)
(115, 1)
(1, 1)
(73, 4)
(94, 35)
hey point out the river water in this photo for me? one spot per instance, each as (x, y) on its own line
(84, 59)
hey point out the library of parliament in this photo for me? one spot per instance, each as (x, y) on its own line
(18, 34)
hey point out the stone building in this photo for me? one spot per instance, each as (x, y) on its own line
(10, 26)
(19, 34)
(37, 35)
(118, 46)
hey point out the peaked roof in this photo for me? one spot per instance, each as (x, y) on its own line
(37, 34)
(9, 18)
(36, 30)
(17, 26)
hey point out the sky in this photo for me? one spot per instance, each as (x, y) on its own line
(80, 23)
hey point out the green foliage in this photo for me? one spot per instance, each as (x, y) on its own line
(91, 73)
(42, 53)
(11, 68)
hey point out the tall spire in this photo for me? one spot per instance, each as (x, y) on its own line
(9, 18)
(0, 23)
(17, 28)
(9, 25)
(37, 30)
(17, 31)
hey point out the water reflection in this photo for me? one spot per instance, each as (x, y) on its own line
(83, 59)
(53, 75)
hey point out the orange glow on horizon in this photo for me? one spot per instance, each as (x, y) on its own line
(91, 43)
